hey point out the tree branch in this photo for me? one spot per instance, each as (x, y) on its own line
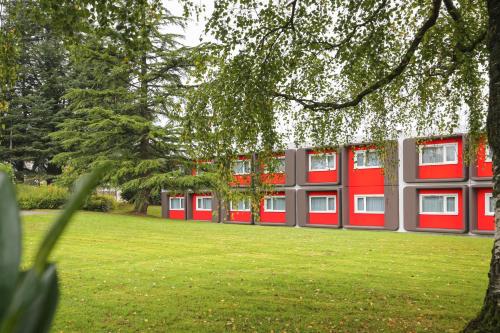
(395, 72)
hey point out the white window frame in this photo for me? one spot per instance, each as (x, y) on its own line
(246, 161)
(487, 212)
(176, 198)
(363, 151)
(487, 151)
(334, 155)
(273, 210)
(198, 203)
(231, 209)
(357, 196)
(444, 145)
(445, 195)
(334, 197)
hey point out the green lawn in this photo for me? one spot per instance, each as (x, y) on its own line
(127, 273)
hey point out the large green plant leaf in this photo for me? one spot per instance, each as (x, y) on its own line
(10, 242)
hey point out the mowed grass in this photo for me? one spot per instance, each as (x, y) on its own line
(135, 274)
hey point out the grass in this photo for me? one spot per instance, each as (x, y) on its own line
(129, 273)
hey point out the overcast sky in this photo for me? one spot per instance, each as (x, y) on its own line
(194, 28)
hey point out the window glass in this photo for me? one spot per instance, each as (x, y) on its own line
(331, 204)
(241, 167)
(374, 204)
(242, 205)
(360, 159)
(490, 204)
(331, 161)
(176, 203)
(432, 155)
(432, 204)
(451, 153)
(450, 204)
(318, 162)
(318, 204)
(204, 203)
(361, 204)
(269, 204)
(280, 165)
(489, 154)
(372, 158)
(279, 203)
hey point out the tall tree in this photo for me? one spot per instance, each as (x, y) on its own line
(35, 101)
(338, 68)
(125, 111)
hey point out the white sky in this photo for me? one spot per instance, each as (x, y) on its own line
(194, 28)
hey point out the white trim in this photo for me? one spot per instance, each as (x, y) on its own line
(444, 145)
(237, 210)
(330, 196)
(334, 155)
(445, 196)
(176, 198)
(357, 211)
(487, 197)
(487, 151)
(273, 210)
(246, 161)
(203, 197)
(363, 151)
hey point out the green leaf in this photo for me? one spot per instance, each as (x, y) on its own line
(10, 242)
(83, 189)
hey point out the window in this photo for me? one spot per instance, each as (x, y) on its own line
(438, 154)
(322, 162)
(366, 159)
(439, 204)
(240, 206)
(369, 204)
(176, 203)
(274, 204)
(322, 204)
(204, 203)
(488, 154)
(241, 167)
(278, 165)
(489, 203)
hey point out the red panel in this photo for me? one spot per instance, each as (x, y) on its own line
(177, 214)
(484, 169)
(323, 176)
(364, 219)
(273, 178)
(237, 216)
(272, 217)
(324, 218)
(363, 177)
(200, 215)
(443, 171)
(442, 221)
(484, 222)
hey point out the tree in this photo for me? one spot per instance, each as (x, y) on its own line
(124, 105)
(340, 68)
(35, 100)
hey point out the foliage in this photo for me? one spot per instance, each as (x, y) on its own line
(7, 169)
(29, 298)
(41, 197)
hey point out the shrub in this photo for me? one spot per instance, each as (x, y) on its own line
(8, 169)
(99, 203)
(41, 197)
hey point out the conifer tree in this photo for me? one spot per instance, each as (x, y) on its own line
(124, 102)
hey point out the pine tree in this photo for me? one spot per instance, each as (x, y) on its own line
(35, 101)
(124, 102)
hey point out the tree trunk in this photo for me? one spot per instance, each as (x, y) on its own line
(488, 319)
(141, 205)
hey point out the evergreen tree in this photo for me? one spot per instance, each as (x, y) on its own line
(35, 101)
(124, 102)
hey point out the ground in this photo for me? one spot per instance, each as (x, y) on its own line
(136, 274)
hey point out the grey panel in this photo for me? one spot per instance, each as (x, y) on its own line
(303, 207)
(411, 208)
(290, 167)
(473, 208)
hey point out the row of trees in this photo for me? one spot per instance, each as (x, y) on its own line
(108, 93)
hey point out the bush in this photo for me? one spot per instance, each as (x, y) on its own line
(8, 169)
(99, 203)
(41, 197)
